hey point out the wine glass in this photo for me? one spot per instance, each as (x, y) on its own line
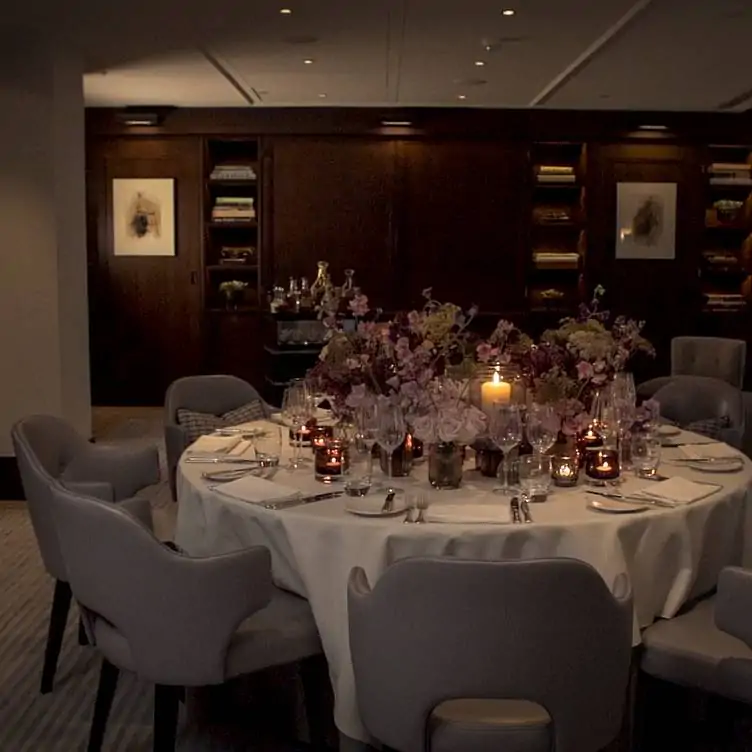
(542, 427)
(505, 430)
(297, 409)
(623, 387)
(391, 430)
(367, 432)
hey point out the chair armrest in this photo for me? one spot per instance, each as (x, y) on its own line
(733, 603)
(140, 508)
(97, 489)
(126, 470)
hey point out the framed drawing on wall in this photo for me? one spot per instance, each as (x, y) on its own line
(646, 220)
(143, 216)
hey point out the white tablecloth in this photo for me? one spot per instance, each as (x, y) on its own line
(669, 555)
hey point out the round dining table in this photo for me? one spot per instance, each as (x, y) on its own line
(669, 554)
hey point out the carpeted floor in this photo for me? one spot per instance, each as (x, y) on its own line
(254, 716)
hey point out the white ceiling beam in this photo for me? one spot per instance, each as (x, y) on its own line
(590, 53)
(234, 79)
(395, 46)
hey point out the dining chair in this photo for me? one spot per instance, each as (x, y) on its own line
(705, 405)
(468, 656)
(708, 648)
(176, 621)
(49, 452)
(714, 357)
(204, 399)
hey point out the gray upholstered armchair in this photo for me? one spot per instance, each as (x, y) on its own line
(174, 620)
(714, 357)
(689, 400)
(212, 394)
(50, 452)
(547, 665)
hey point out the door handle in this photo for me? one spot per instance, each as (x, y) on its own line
(194, 278)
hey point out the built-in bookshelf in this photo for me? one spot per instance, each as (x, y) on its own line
(231, 225)
(558, 236)
(726, 260)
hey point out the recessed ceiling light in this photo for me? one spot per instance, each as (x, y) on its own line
(397, 123)
(285, 11)
(462, 96)
(480, 63)
(322, 96)
(507, 12)
(653, 127)
(308, 61)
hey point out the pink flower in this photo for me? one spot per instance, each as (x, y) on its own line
(359, 305)
(585, 370)
(485, 352)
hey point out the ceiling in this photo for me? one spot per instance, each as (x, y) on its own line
(584, 54)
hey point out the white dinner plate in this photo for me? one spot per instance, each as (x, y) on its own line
(717, 466)
(611, 506)
(370, 506)
(665, 430)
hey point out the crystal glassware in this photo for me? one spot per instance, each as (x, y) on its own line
(646, 455)
(391, 430)
(367, 432)
(542, 427)
(297, 410)
(505, 430)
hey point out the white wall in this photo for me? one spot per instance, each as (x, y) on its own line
(44, 357)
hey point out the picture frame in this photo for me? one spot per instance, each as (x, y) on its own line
(143, 217)
(646, 221)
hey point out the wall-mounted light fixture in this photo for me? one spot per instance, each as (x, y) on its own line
(143, 116)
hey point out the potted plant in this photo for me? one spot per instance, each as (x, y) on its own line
(233, 291)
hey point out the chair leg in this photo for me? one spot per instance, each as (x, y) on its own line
(108, 677)
(82, 638)
(314, 674)
(166, 701)
(58, 619)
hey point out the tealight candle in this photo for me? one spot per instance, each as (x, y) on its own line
(587, 440)
(565, 471)
(320, 435)
(331, 461)
(602, 464)
(303, 434)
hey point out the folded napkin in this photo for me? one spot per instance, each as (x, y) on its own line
(676, 491)
(211, 444)
(715, 451)
(257, 490)
(498, 514)
(239, 450)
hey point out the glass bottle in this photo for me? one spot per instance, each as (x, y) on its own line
(348, 289)
(293, 294)
(306, 301)
(321, 282)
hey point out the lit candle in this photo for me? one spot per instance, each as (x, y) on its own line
(603, 464)
(495, 391)
(331, 460)
(565, 471)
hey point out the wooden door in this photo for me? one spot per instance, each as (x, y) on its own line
(461, 223)
(332, 200)
(145, 312)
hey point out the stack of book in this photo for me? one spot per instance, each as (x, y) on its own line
(555, 174)
(722, 258)
(233, 172)
(730, 173)
(555, 260)
(233, 209)
(725, 301)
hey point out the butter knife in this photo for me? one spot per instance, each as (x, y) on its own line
(633, 499)
(302, 500)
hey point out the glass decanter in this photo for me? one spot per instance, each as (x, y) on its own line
(322, 281)
(348, 288)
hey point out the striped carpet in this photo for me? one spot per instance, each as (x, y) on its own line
(254, 716)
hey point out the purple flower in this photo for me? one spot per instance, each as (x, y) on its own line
(359, 305)
(485, 352)
(585, 370)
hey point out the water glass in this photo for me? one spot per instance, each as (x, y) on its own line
(543, 425)
(646, 455)
(505, 430)
(267, 447)
(297, 409)
(367, 432)
(534, 472)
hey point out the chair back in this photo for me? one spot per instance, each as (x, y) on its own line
(164, 615)
(547, 631)
(689, 399)
(44, 446)
(215, 394)
(715, 357)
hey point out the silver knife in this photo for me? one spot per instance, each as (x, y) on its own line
(633, 499)
(514, 505)
(526, 510)
(302, 500)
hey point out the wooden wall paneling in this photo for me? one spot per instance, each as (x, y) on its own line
(148, 323)
(463, 220)
(331, 201)
(666, 293)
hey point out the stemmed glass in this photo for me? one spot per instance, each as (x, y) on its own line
(297, 409)
(505, 430)
(542, 427)
(391, 430)
(367, 433)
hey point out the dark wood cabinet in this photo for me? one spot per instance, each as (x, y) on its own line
(461, 222)
(146, 313)
(332, 199)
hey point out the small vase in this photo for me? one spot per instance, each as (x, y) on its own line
(445, 465)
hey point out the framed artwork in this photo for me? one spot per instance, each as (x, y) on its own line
(143, 216)
(646, 220)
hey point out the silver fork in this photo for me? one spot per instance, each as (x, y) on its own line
(514, 505)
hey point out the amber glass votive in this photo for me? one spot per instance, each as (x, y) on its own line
(320, 435)
(331, 461)
(303, 434)
(602, 464)
(587, 440)
(565, 470)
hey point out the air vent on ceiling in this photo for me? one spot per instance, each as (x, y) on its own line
(467, 82)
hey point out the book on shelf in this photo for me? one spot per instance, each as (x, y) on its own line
(725, 300)
(556, 260)
(555, 169)
(732, 180)
(233, 172)
(232, 207)
(556, 178)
